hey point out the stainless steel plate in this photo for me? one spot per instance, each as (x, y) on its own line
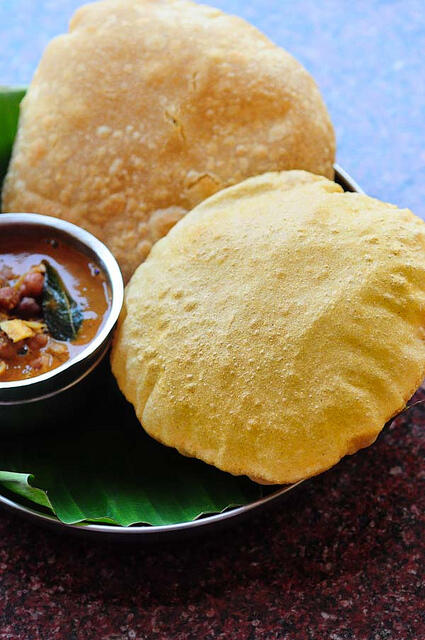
(149, 533)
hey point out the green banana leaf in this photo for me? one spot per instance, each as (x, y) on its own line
(99, 465)
(20, 483)
(10, 99)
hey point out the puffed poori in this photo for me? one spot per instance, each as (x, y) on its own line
(277, 327)
(147, 107)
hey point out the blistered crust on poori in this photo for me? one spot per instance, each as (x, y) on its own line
(277, 327)
(146, 108)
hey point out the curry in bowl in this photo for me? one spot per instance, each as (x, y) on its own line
(53, 301)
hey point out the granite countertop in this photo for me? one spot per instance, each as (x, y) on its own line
(343, 556)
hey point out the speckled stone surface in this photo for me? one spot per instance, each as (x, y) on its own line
(343, 557)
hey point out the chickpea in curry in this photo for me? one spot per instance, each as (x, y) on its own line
(32, 338)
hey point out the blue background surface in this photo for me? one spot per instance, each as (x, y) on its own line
(367, 57)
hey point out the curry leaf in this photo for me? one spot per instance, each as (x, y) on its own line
(61, 313)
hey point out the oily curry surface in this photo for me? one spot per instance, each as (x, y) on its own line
(28, 344)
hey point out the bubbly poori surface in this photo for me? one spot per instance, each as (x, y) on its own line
(277, 327)
(146, 108)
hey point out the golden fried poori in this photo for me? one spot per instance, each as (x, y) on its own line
(146, 108)
(277, 327)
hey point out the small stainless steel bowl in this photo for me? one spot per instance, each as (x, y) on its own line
(42, 400)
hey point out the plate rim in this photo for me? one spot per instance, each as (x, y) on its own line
(150, 532)
(91, 528)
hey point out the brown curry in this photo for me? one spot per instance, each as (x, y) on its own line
(29, 344)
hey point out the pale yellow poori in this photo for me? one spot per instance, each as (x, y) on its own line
(277, 327)
(146, 108)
